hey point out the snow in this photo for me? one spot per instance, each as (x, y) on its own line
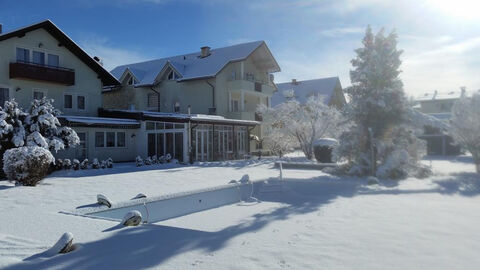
(304, 89)
(191, 66)
(319, 221)
(100, 120)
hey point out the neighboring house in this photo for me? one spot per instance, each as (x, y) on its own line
(42, 61)
(328, 88)
(438, 105)
(199, 105)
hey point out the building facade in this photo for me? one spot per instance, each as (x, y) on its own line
(439, 105)
(214, 93)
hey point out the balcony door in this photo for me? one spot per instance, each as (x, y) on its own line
(240, 140)
(82, 149)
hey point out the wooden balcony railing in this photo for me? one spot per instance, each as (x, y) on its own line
(32, 71)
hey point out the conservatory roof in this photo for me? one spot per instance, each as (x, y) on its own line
(99, 121)
(175, 117)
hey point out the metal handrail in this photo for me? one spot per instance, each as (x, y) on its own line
(44, 65)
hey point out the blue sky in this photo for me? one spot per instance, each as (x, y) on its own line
(309, 39)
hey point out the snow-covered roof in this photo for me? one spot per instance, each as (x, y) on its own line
(180, 116)
(99, 120)
(326, 142)
(192, 66)
(439, 95)
(302, 90)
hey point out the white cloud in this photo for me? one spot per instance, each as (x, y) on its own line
(112, 56)
(338, 32)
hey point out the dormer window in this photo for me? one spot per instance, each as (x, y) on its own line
(172, 76)
(132, 81)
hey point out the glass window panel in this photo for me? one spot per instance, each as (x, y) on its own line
(159, 125)
(110, 139)
(99, 139)
(179, 146)
(23, 55)
(37, 95)
(151, 144)
(120, 139)
(67, 101)
(81, 102)
(169, 144)
(179, 126)
(39, 58)
(53, 60)
(160, 148)
(4, 96)
(150, 125)
(168, 126)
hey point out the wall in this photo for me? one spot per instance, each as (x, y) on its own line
(127, 153)
(86, 80)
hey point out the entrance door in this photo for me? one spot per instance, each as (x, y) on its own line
(81, 149)
(201, 144)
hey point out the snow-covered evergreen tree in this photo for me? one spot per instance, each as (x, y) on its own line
(39, 126)
(465, 125)
(381, 140)
(304, 123)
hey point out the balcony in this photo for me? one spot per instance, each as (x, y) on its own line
(253, 116)
(32, 71)
(249, 84)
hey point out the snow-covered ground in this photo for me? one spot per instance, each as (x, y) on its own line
(320, 222)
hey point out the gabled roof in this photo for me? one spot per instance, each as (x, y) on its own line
(302, 90)
(191, 66)
(435, 95)
(67, 42)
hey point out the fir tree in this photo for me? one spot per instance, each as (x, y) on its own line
(381, 141)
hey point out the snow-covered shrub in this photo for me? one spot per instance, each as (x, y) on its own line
(39, 126)
(139, 161)
(381, 140)
(174, 161)
(84, 164)
(465, 127)
(148, 161)
(154, 159)
(161, 159)
(95, 164)
(323, 149)
(167, 157)
(67, 164)
(303, 123)
(27, 165)
(58, 164)
(76, 164)
(103, 164)
(109, 163)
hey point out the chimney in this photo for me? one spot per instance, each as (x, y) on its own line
(294, 81)
(205, 51)
(98, 59)
(1, 28)
(464, 90)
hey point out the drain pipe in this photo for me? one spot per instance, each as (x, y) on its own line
(213, 93)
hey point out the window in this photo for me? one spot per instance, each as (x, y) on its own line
(172, 75)
(152, 100)
(53, 60)
(131, 81)
(150, 125)
(99, 139)
(38, 94)
(120, 139)
(110, 139)
(23, 55)
(68, 101)
(39, 58)
(235, 105)
(4, 96)
(81, 103)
